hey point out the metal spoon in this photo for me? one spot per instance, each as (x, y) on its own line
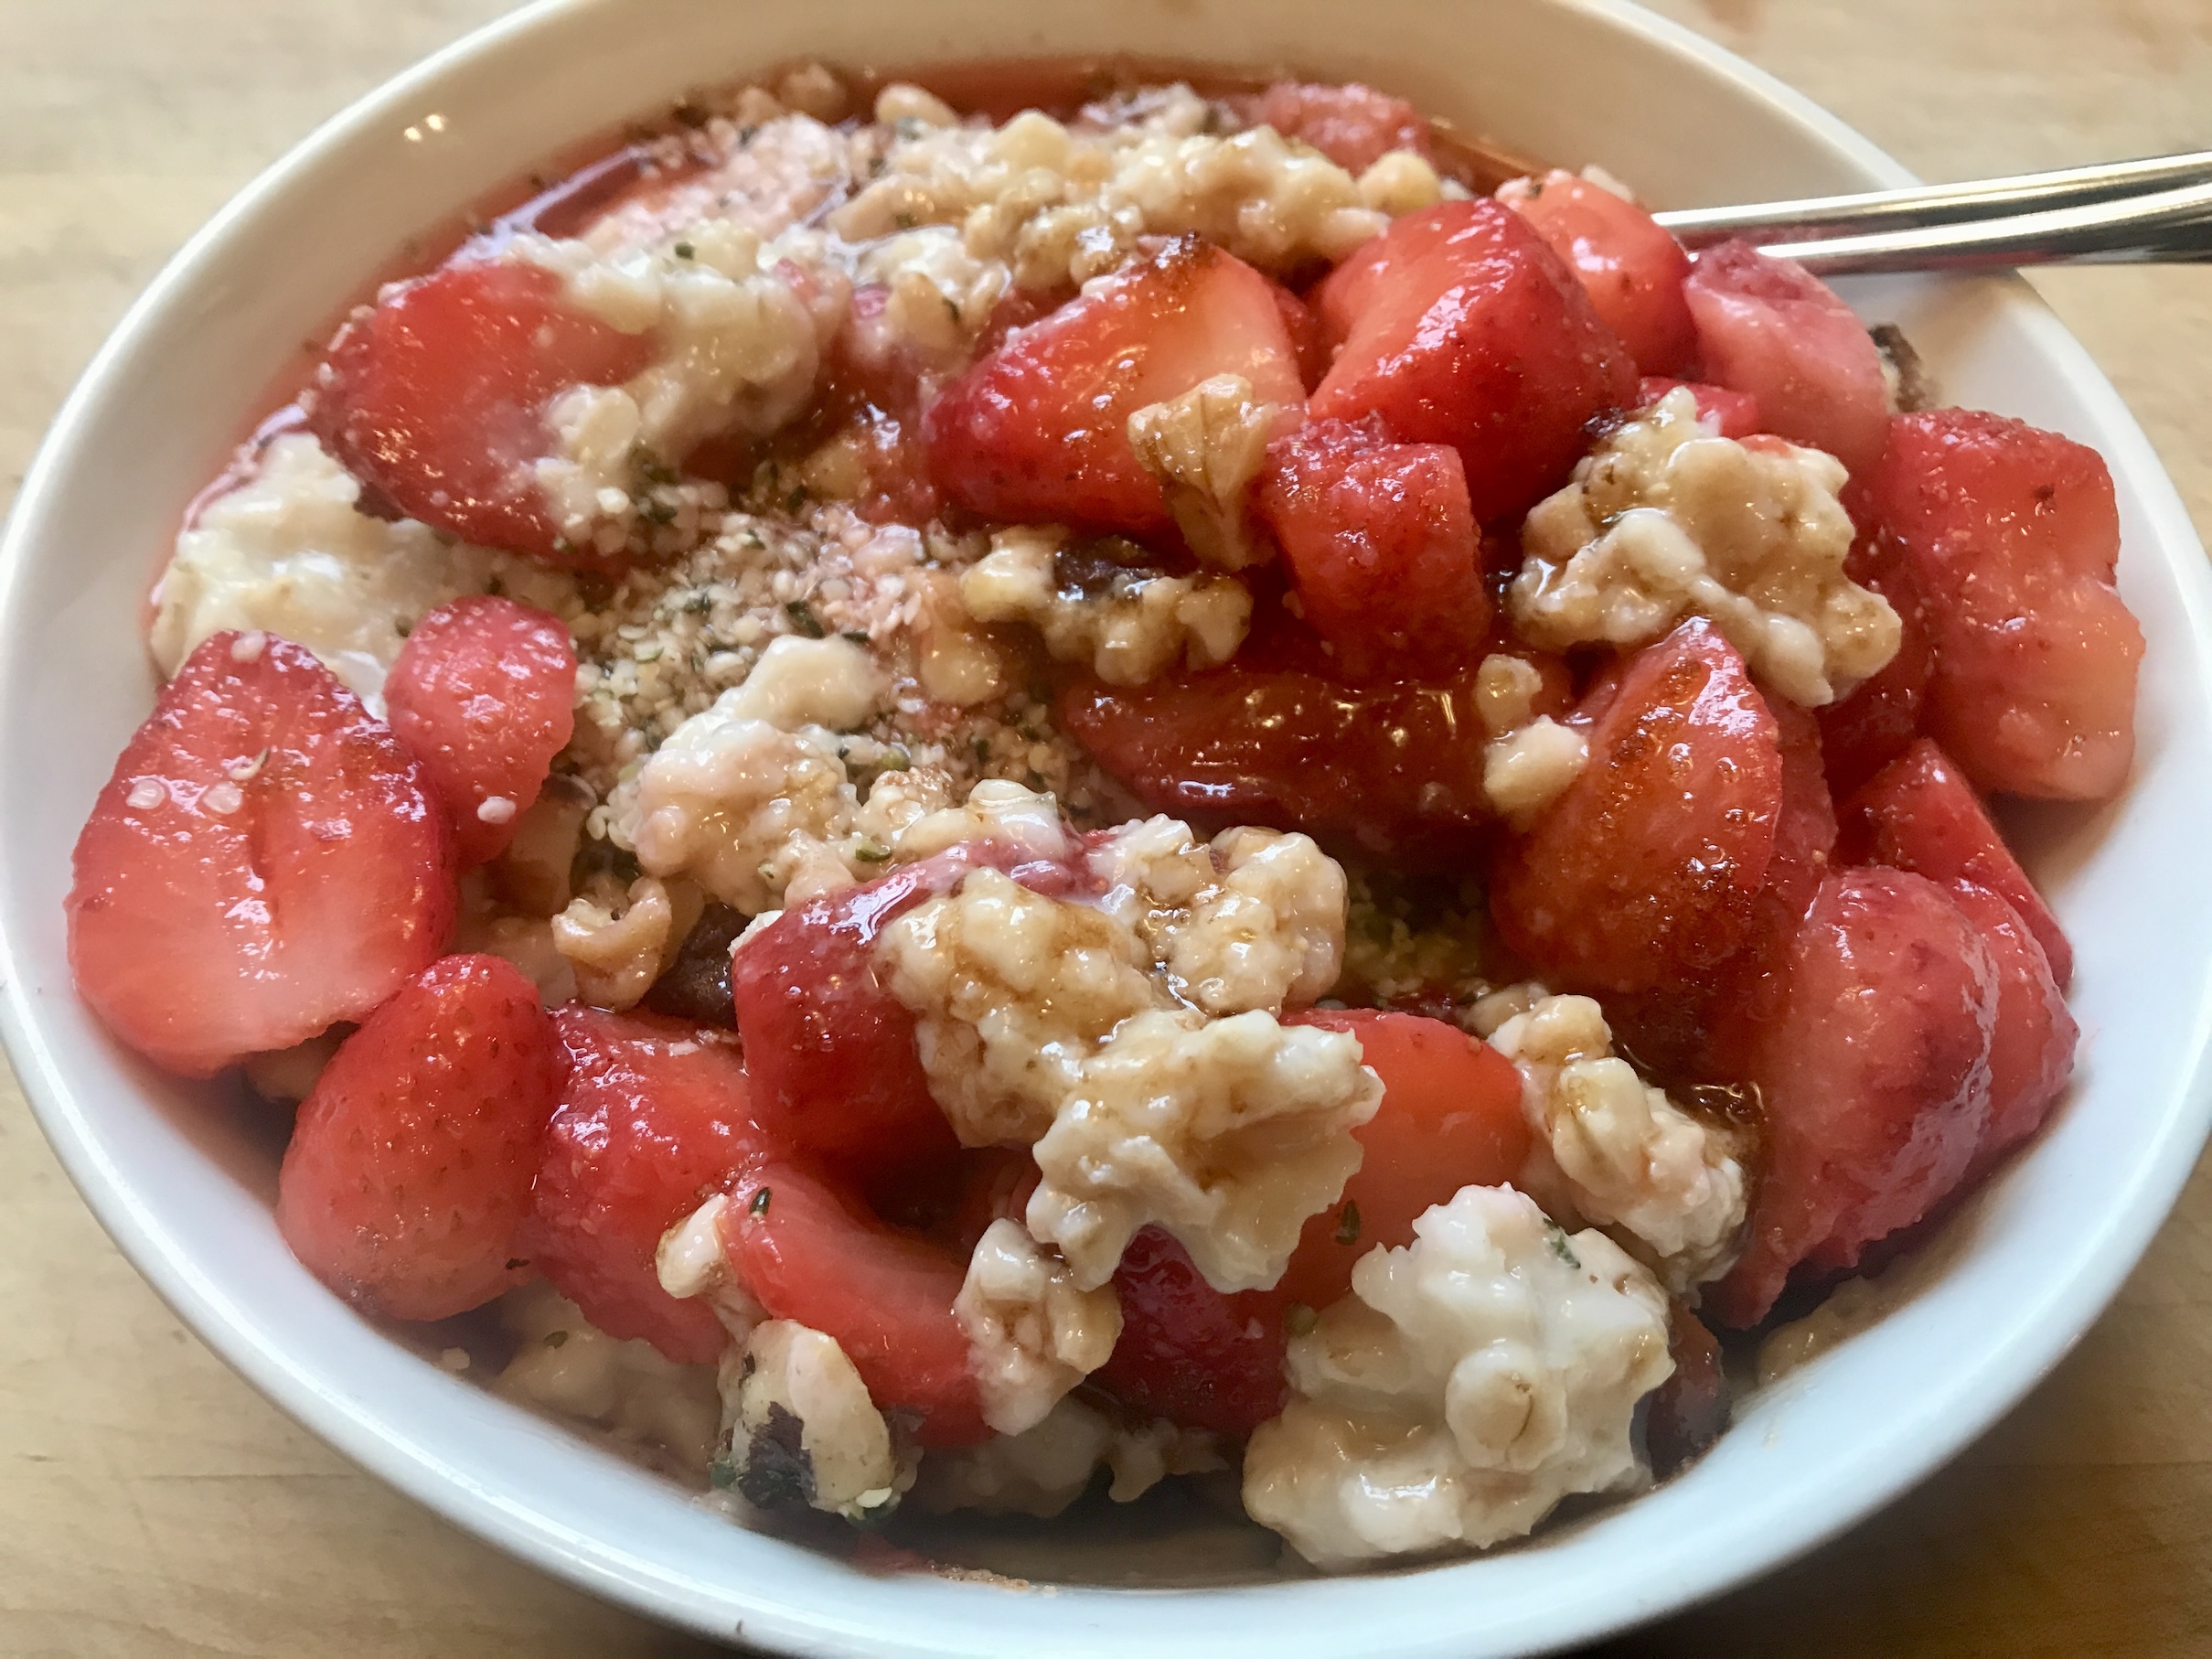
(2156, 209)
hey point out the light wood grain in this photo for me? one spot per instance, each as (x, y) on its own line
(151, 1504)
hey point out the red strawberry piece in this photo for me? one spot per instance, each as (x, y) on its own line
(1805, 833)
(1645, 872)
(265, 861)
(1631, 268)
(830, 1050)
(1306, 339)
(1691, 1408)
(1189, 1353)
(1393, 770)
(1767, 327)
(1875, 1079)
(1375, 269)
(1704, 1030)
(2032, 1050)
(1459, 326)
(1355, 126)
(810, 1253)
(1382, 547)
(1038, 431)
(484, 693)
(655, 1118)
(409, 1175)
(2015, 537)
(1733, 414)
(1864, 732)
(1921, 814)
(437, 395)
(1450, 1117)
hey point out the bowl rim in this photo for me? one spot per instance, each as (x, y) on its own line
(2009, 1371)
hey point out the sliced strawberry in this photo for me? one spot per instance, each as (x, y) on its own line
(1354, 125)
(409, 1173)
(1375, 269)
(830, 1050)
(484, 693)
(1631, 268)
(1450, 1117)
(1864, 732)
(265, 861)
(1459, 326)
(2032, 1050)
(1805, 833)
(2015, 537)
(1875, 1079)
(1732, 414)
(1705, 1031)
(437, 394)
(1306, 339)
(1394, 770)
(1188, 1352)
(1921, 814)
(654, 1119)
(1699, 1029)
(1382, 547)
(1767, 327)
(811, 1254)
(1646, 871)
(1038, 431)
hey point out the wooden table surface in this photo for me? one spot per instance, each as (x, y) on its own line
(151, 1504)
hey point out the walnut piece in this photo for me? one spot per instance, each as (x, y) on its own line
(799, 1429)
(1612, 1151)
(1207, 446)
(1665, 520)
(1032, 1334)
(1131, 624)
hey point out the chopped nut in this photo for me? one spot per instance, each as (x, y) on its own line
(1225, 1133)
(1664, 520)
(1400, 182)
(617, 955)
(799, 1429)
(902, 100)
(1206, 447)
(1047, 1022)
(1131, 624)
(1613, 1151)
(1255, 921)
(1032, 1334)
(690, 1261)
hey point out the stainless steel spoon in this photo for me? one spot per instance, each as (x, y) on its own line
(2157, 210)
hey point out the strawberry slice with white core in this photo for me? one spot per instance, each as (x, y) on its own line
(437, 395)
(1038, 431)
(1769, 328)
(1626, 260)
(266, 861)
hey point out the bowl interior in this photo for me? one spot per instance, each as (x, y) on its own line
(184, 1189)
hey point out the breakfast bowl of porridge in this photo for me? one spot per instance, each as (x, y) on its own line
(914, 834)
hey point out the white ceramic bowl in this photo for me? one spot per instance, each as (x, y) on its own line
(184, 1186)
